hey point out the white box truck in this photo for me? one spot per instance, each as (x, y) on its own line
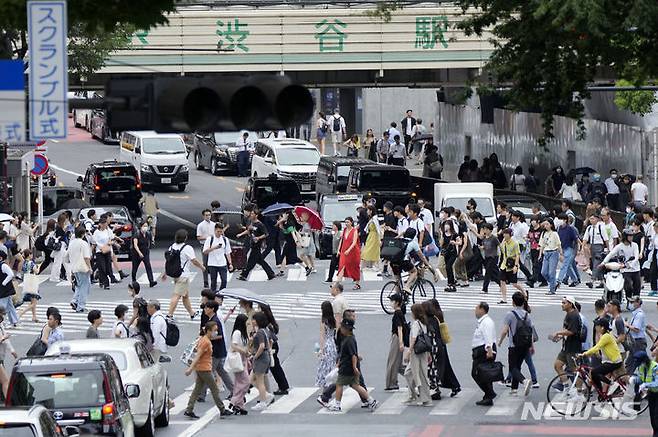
(457, 194)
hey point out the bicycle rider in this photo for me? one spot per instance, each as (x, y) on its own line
(413, 258)
(610, 354)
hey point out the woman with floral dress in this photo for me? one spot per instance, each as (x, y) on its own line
(437, 363)
(327, 354)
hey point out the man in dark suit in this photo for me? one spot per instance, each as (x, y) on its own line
(408, 124)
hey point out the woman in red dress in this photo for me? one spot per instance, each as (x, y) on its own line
(350, 254)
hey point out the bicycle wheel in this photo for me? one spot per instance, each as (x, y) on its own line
(422, 290)
(388, 289)
(627, 404)
(570, 400)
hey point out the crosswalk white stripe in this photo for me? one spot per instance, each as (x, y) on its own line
(448, 406)
(296, 275)
(393, 405)
(294, 398)
(257, 276)
(506, 404)
(350, 400)
(370, 275)
(208, 417)
(180, 401)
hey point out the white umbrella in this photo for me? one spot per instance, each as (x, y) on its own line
(5, 217)
(243, 294)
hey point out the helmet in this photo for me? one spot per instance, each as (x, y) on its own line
(628, 232)
(596, 177)
(640, 357)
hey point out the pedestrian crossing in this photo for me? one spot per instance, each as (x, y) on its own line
(302, 400)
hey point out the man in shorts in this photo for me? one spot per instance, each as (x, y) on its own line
(182, 283)
(571, 344)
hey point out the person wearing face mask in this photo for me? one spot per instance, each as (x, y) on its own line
(140, 251)
(612, 185)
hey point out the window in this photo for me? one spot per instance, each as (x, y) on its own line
(297, 156)
(17, 430)
(378, 179)
(163, 146)
(75, 389)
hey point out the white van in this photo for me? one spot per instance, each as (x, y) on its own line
(160, 159)
(457, 195)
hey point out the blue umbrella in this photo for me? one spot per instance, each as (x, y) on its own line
(277, 208)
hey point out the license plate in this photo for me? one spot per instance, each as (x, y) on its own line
(165, 180)
(306, 187)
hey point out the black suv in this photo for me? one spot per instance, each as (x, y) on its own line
(82, 390)
(215, 150)
(112, 183)
(270, 190)
(382, 182)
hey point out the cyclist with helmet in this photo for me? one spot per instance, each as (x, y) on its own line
(413, 257)
(628, 250)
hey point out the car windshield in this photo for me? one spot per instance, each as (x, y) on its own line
(16, 430)
(118, 357)
(230, 138)
(524, 208)
(267, 195)
(384, 179)
(163, 146)
(484, 205)
(117, 213)
(297, 156)
(337, 211)
(117, 175)
(72, 389)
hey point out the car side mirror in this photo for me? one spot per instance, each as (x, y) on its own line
(138, 149)
(132, 391)
(79, 179)
(71, 431)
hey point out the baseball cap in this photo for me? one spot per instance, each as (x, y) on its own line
(570, 299)
(396, 297)
(347, 323)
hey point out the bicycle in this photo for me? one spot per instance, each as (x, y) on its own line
(421, 290)
(575, 394)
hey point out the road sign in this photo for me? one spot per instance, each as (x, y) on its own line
(47, 29)
(12, 101)
(40, 164)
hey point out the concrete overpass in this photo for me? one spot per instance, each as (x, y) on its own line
(331, 46)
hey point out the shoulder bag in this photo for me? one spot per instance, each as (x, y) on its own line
(38, 348)
(490, 371)
(423, 342)
(233, 362)
(445, 332)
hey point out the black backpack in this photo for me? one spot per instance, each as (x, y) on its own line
(336, 124)
(522, 337)
(173, 267)
(173, 333)
(393, 249)
(582, 331)
(40, 242)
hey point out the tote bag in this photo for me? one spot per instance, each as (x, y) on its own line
(233, 363)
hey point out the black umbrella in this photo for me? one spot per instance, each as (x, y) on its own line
(75, 204)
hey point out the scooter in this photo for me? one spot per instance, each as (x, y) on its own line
(613, 280)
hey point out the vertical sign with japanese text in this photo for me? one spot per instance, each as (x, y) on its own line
(12, 102)
(47, 30)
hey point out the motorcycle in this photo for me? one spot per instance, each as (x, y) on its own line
(613, 279)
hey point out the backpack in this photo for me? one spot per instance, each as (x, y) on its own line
(325, 127)
(173, 333)
(393, 249)
(40, 243)
(53, 243)
(336, 124)
(523, 334)
(582, 331)
(173, 267)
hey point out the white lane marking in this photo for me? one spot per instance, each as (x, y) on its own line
(296, 274)
(58, 168)
(448, 406)
(210, 415)
(350, 400)
(180, 402)
(257, 276)
(371, 275)
(506, 404)
(394, 405)
(294, 398)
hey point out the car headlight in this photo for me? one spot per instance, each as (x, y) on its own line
(146, 168)
(185, 167)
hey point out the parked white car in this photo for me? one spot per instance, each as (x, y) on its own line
(290, 157)
(34, 421)
(136, 366)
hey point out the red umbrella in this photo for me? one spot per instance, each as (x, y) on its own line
(314, 219)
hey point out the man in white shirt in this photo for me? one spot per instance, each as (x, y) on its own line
(596, 239)
(103, 237)
(338, 303)
(245, 148)
(396, 152)
(613, 190)
(80, 257)
(408, 124)
(182, 283)
(205, 230)
(484, 349)
(392, 132)
(403, 223)
(415, 222)
(217, 252)
(158, 329)
(426, 214)
(639, 191)
(609, 228)
(338, 129)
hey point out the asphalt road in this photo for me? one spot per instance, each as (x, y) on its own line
(296, 300)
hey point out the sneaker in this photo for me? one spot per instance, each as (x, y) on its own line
(193, 316)
(334, 406)
(191, 415)
(259, 406)
(322, 401)
(269, 399)
(281, 392)
(153, 284)
(530, 284)
(373, 405)
(527, 385)
(392, 389)
(225, 412)
(242, 278)
(513, 392)
(589, 284)
(574, 284)
(535, 385)
(364, 404)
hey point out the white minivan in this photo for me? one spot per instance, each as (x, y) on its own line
(290, 157)
(160, 159)
(457, 195)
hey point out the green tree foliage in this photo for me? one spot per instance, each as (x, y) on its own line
(89, 18)
(549, 51)
(638, 102)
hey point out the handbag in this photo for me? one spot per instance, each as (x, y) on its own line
(233, 363)
(423, 343)
(38, 348)
(445, 333)
(331, 377)
(30, 283)
(490, 371)
(189, 353)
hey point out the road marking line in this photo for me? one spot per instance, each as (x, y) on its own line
(452, 406)
(350, 400)
(285, 404)
(506, 404)
(393, 405)
(257, 276)
(210, 415)
(371, 275)
(296, 274)
(180, 402)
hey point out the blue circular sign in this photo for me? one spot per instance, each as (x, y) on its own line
(40, 164)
